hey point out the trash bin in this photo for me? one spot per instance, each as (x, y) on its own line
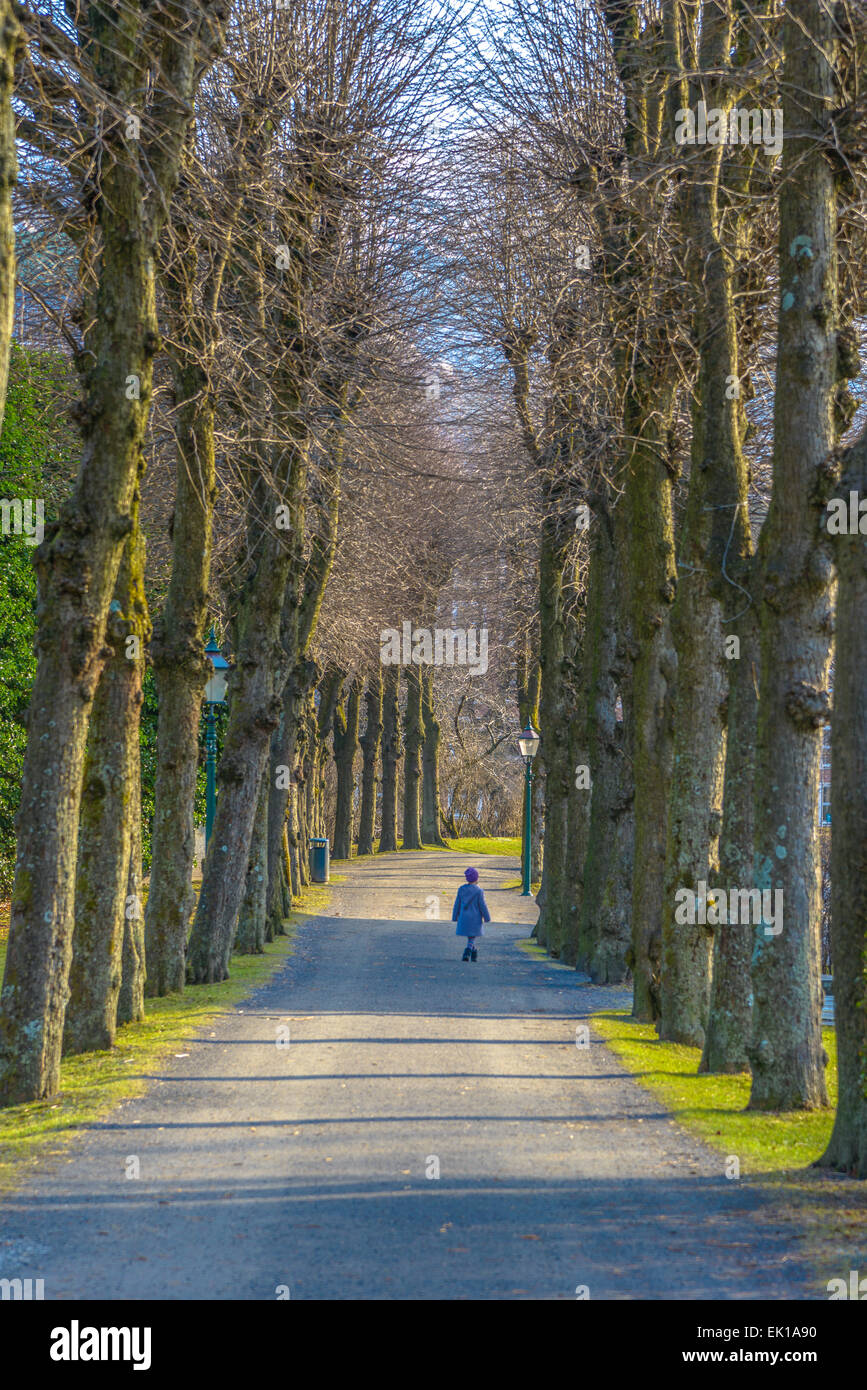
(319, 851)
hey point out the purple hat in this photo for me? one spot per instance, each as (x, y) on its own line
(471, 875)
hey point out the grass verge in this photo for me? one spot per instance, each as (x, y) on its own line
(505, 844)
(776, 1149)
(714, 1106)
(92, 1083)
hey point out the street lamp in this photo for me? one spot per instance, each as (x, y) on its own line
(528, 743)
(215, 694)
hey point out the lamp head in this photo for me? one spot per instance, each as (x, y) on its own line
(528, 742)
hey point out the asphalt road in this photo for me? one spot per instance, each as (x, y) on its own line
(383, 1121)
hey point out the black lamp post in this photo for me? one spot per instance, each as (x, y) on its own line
(528, 743)
(215, 694)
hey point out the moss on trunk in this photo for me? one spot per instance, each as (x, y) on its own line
(391, 754)
(413, 742)
(795, 614)
(370, 751)
(431, 833)
(345, 742)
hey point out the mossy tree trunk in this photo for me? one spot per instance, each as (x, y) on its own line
(716, 516)
(847, 1148)
(603, 933)
(192, 286)
(10, 37)
(105, 823)
(730, 554)
(177, 650)
(529, 683)
(262, 662)
(391, 754)
(413, 742)
(370, 751)
(330, 687)
(649, 592)
(78, 562)
(252, 918)
(345, 743)
(632, 214)
(130, 1001)
(431, 833)
(729, 1027)
(554, 716)
(299, 630)
(794, 583)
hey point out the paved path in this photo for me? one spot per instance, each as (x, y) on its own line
(310, 1164)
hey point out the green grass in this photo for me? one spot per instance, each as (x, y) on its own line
(828, 1210)
(491, 844)
(92, 1083)
(506, 844)
(532, 947)
(714, 1106)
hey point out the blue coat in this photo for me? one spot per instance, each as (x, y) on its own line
(470, 910)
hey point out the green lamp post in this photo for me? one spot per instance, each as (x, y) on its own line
(215, 694)
(528, 743)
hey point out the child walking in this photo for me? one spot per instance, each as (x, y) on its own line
(470, 912)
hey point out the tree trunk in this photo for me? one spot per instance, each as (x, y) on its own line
(105, 823)
(646, 383)
(254, 713)
(282, 764)
(253, 915)
(180, 671)
(716, 515)
(554, 714)
(299, 628)
(787, 1057)
(290, 879)
(603, 934)
(847, 1148)
(78, 562)
(431, 833)
(695, 793)
(130, 1001)
(370, 751)
(528, 679)
(413, 742)
(10, 32)
(391, 752)
(537, 830)
(578, 805)
(650, 589)
(345, 742)
(730, 1011)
